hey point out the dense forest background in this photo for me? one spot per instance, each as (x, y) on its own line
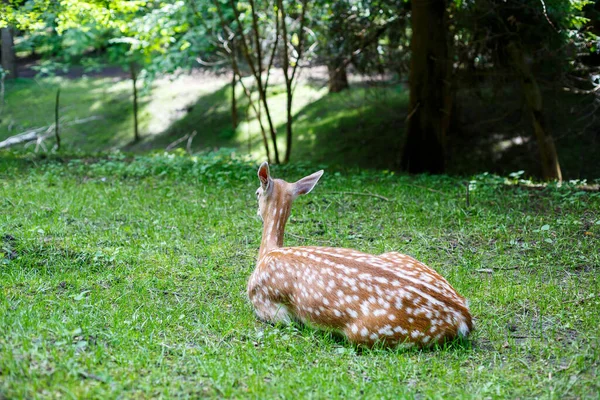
(423, 86)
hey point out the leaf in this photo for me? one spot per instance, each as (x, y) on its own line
(545, 228)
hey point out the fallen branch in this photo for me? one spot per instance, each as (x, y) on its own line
(87, 375)
(361, 194)
(175, 143)
(426, 188)
(492, 269)
(308, 239)
(36, 135)
(188, 148)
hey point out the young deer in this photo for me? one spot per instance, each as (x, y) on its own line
(391, 298)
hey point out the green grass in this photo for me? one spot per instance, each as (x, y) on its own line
(29, 104)
(125, 278)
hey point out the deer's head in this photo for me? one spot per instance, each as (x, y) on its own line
(276, 195)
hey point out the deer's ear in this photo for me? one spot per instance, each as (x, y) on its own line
(306, 184)
(264, 176)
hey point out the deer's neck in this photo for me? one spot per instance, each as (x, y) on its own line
(273, 228)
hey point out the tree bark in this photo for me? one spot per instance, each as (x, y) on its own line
(9, 63)
(430, 89)
(289, 79)
(56, 119)
(234, 113)
(338, 77)
(549, 157)
(136, 134)
(257, 71)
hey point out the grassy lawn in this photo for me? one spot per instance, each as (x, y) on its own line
(126, 278)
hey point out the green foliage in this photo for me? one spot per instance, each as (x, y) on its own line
(125, 277)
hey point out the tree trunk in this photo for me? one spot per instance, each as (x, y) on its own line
(338, 78)
(430, 89)
(56, 119)
(549, 157)
(9, 63)
(136, 134)
(234, 113)
(288, 126)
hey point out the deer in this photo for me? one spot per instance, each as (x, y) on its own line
(390, 299)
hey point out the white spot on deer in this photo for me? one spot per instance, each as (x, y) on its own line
(364, 307)
(416, 334)
(325, 301)
(337, 312)
(379, 312)
(354, 328)
(352, 313)
(391, 317)
(374, 336)
(364, 332)
(386, 330)
(398, 303)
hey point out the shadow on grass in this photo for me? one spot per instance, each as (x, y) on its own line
(494, 133)
(209, 116)
(50, 259)
(361, 127)
(339, 340)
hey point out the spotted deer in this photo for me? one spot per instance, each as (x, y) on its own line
(389, 298)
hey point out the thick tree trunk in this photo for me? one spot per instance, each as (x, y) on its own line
(9, 63)
(430, 89)
(549, 157)
(338, 77)
(234, 113)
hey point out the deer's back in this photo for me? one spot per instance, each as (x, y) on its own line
(369, 297)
